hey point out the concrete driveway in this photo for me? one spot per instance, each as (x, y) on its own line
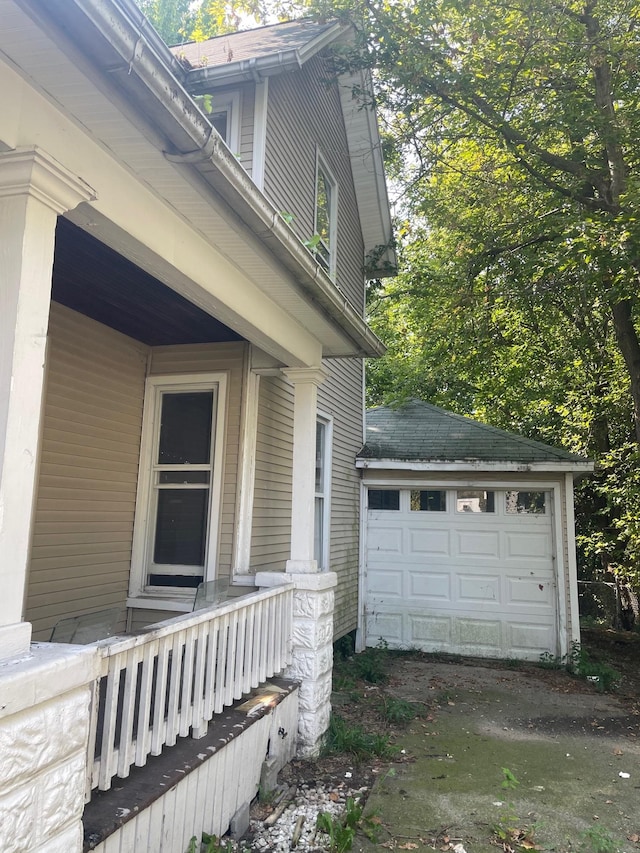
(572, 762)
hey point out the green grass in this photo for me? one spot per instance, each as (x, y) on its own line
(341, 737)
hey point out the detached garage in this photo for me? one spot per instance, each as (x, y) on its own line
(468, 537)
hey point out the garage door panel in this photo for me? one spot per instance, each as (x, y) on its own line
(385, 583)
(534, 592)
(429, 631)
(534, 545)
(429, 586)
(386, 539)
(480, 634)
(478, 544)
(529, 638)
(387, 625)
(428, 542)
(478, 588)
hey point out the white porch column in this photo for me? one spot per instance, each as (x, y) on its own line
(34, 190)
(305, 413)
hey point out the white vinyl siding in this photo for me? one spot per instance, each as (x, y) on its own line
(271, 535)
(81, 543)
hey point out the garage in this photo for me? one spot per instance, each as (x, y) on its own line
(468, 537)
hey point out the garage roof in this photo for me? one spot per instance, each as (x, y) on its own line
(418, 435)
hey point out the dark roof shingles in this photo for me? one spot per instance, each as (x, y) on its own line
(250, 44)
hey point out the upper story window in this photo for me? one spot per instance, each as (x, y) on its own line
(326, 217)
(175, 540)
(224, 115)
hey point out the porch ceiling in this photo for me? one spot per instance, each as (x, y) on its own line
(93, 279)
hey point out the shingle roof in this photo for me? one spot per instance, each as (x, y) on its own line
(252, 44)
(420, 431)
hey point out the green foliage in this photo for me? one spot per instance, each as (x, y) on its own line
(212, 844)
(180, 21)
(508, 779)
(398, 711)
(341, 830)
(355, 741)
(511, 132)
(578, 662)
(598, 839)
(371, 664)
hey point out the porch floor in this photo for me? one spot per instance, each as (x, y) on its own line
(109, 810)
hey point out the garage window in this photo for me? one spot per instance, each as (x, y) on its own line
(385, 499)
(428, 500)
(526, 503)
(475, 500)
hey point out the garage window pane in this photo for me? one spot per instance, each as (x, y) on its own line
(428, 500)
(384, 499)
(475, 500)
(529, 503)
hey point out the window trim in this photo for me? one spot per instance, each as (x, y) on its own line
(322, 166)
(229, 102)
(140, 555)
(327, 421)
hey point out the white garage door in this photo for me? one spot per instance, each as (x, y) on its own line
(465, 571)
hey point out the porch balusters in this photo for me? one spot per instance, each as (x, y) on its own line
(169, 681)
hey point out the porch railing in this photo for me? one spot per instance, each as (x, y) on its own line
(169, 681)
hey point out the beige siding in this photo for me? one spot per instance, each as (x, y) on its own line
(81, 546)
(305, 115)
(341, 397)
(81, 551)
(210, 358)
(271, 533)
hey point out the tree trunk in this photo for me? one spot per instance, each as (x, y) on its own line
(627, 339)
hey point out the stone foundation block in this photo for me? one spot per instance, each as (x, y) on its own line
(314, 694)
(310, 634)
(18, 820)
(308, 664)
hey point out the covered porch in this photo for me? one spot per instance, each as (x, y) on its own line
(91, 336)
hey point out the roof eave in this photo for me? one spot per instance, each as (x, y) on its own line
(365, 148)
(477, 465)
(149, 70)
(202, 80)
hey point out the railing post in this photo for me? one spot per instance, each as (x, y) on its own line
(312, 652)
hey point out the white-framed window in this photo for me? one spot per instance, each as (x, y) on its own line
(179, 485)
(225, 117)
(326, 216)
(324, 430)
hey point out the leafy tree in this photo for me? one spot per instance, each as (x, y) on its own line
(514, 127)
(174, 19)
(179, 21)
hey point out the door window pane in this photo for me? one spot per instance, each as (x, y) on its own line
(428, 500)
(185, 428)
(528, 503)
(475, 500)
(181, 526)
(384, 499)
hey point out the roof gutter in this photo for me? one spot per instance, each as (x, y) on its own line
(202, 80)
(142, 59)
(476, 465)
